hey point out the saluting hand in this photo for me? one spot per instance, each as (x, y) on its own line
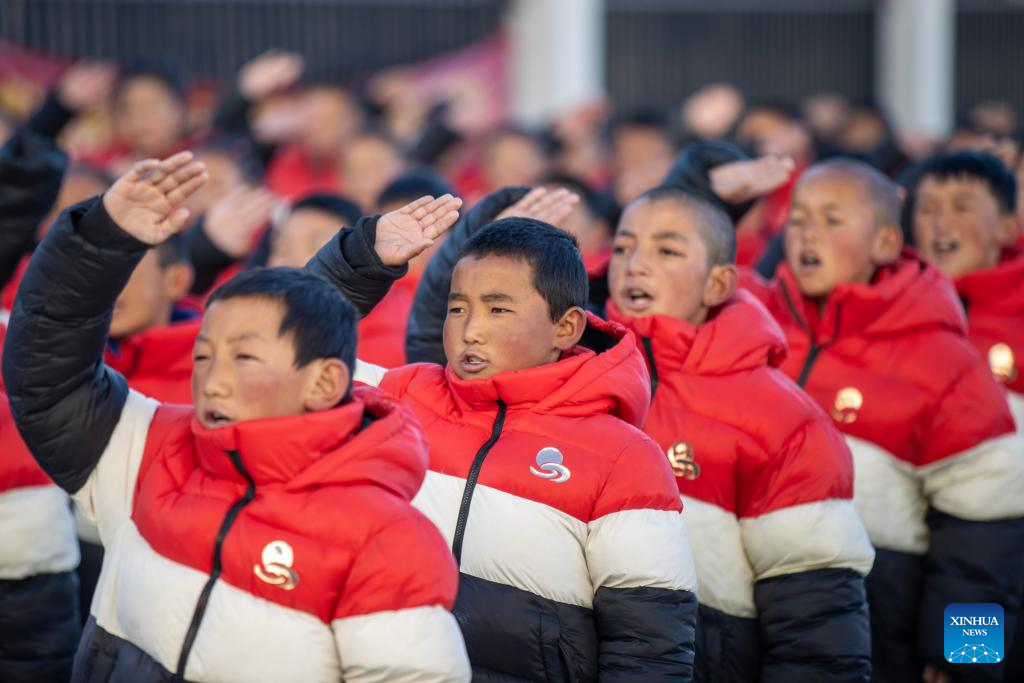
(542, 204)
(406, 232)
(145, 201)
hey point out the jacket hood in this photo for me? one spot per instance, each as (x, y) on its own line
(739, 335)
(370, 440)
(908, 296)
(604, 373)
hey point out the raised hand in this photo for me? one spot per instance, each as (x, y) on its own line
(145, 201)
(406, 232)
(86, 85)
(740, 181)
(232, 222)
(272, 71)
(542, 204)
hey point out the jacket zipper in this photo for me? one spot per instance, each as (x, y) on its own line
(816, 348)
(652, 366)
(471, 479)
(204, 596)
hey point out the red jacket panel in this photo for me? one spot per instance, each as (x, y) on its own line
(994, 300)
(891, 363)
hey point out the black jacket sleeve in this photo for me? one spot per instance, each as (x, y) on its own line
(64, 399)
(31, 168)
(208, 261)
(423, 336)
(49, 120)
(351, 264)
(814, 626)
(970, 562)
(690, 172)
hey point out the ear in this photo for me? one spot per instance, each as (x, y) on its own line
(887, 244)
(329, 382)
(177, 280)
(1009, 230)
(569, 329)
(720, 285)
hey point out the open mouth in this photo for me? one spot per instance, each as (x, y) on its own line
(945, 245)
(471, 362)
(809, 259)
(638, 299)
(213, 418)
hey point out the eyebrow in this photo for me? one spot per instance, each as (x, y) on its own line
(487, 298)
(663, 235)
(233, 340)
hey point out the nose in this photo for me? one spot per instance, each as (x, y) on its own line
(214, 381)
(637, 262)
(473, 329)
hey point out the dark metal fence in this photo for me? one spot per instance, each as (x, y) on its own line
(657, 50)
(340, 38)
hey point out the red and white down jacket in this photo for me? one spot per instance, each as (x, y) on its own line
(938, 466)
(767, 485)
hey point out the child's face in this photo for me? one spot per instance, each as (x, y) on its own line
(958, 225)
(245, 370)
(498, 322)
(659, 262)
(832, 236)
(513, 160)
(301, 236)
(148, 116)
(368, 166)
(333, 118)
(149, 297)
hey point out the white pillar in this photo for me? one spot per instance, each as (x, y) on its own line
(557, 50)
(915, 58)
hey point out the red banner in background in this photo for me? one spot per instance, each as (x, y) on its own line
(472, 79)
(24, 77)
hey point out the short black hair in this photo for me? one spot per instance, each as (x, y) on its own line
(641, 118)
(554, 256)
(980, 166)
(345, 210)
(318, 316)
(169, 70)
(413, 185)
(716, 228)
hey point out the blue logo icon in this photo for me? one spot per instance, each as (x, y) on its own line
(974, 633)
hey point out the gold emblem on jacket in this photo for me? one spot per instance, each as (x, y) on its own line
(848, 402)
(680, 457)
(276, 568)
(1001, 362)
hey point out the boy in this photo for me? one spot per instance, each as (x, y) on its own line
(964, 222)
(748, 477)
(222, 562)
(310, 224)
(877, 338)
(781, 555)
(39, 619)
(563, 517)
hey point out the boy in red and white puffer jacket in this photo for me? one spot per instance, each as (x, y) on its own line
(878, 338)
(265, 534)
(964, 222)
